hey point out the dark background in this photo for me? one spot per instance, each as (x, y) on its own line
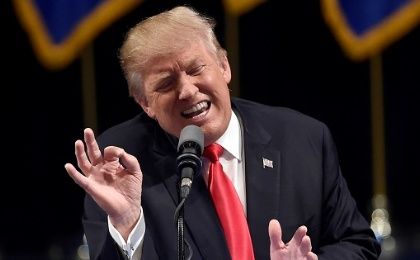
(288, 57)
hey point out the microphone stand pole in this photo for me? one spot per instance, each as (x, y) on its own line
(179, 221)
(190, 147)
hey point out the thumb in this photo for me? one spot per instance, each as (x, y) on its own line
(274, 231)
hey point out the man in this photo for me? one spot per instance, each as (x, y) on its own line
(283, 165)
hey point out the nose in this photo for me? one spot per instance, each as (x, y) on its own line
(187, 88)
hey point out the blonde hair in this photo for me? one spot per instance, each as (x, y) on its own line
(163, 34)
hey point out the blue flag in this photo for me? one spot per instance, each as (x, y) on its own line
(60, 29)
(365, 27)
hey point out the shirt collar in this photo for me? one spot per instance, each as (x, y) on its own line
(231, 138)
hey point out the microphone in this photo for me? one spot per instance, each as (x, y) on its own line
(190, 149)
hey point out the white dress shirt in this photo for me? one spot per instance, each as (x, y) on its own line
(232, 161)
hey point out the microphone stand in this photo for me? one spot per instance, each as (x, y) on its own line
(190, 147)
(184, 191)
(179, 221)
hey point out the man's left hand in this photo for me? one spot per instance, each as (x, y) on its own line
(298, 248)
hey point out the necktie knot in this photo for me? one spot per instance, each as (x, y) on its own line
(213, 152)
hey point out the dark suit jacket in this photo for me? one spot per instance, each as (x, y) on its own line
(304, 187)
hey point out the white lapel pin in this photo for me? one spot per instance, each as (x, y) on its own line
(267, 163)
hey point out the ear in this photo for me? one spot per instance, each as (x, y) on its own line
(145, 106)
(225, 67)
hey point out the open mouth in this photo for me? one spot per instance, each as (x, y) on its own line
(197, 109)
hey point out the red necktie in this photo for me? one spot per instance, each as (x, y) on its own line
(228, 207)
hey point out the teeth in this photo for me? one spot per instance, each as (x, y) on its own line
(197, 107)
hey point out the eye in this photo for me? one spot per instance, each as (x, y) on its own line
(165, 85)
(196, 70)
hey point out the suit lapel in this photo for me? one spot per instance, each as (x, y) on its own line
(262, 193)
(262, 173)
(202, 222)
(164, 150)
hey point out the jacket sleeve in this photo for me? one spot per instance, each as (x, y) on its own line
(346, 234)
(100, 243)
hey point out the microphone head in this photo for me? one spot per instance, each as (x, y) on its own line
(190, 148)
(191, 137)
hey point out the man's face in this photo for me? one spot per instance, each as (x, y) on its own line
(189, 87)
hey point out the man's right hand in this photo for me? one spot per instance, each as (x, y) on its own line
(113, 179)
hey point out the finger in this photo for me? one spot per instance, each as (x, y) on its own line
(305, 246)
(82, 160)
(297, 237)
(113, 153)
(93, 151)
(78, 178)
(274, 231)
(312, 256)
(130, 163)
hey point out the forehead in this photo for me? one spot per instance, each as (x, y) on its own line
(180, 59)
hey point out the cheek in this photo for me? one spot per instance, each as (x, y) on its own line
(163, 104)
(212, 83)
